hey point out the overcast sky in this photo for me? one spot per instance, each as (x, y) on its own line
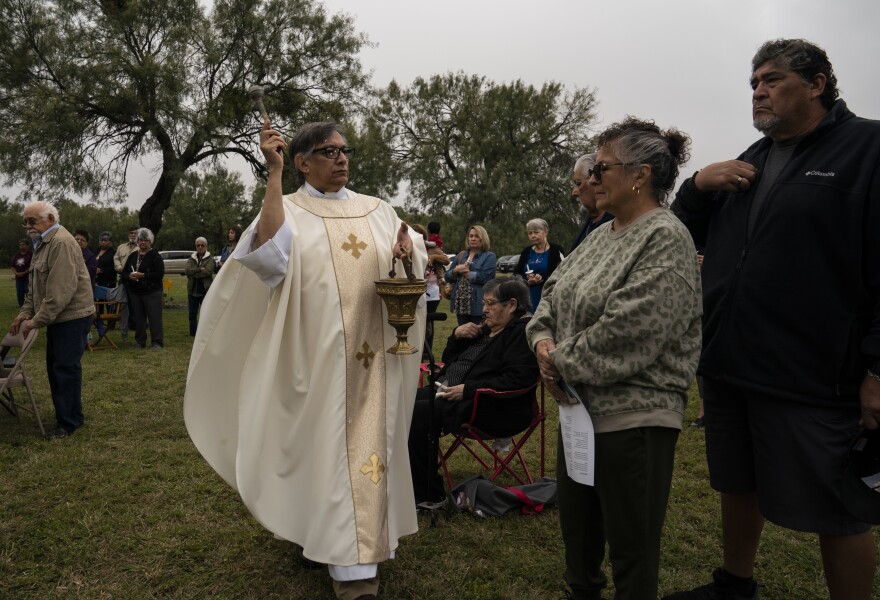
(683, 63)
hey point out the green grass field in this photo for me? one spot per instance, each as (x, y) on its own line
(126, 508)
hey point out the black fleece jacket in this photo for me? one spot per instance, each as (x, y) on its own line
(792, 308)
(153, 268)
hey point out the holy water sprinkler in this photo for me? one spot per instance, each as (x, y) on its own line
(255, 93)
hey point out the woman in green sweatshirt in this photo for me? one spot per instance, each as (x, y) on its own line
(620, 322)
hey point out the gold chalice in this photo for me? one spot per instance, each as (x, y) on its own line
(401, 296)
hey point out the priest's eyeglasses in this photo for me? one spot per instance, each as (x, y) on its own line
(332, 152)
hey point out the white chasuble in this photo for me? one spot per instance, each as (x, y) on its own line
(291, 396)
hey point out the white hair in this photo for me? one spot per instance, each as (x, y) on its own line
(537, 224)
(201, 239)
(45, 207)
(145, 234)
(584, 163)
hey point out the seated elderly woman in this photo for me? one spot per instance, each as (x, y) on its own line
(620, 322)
(492, 355)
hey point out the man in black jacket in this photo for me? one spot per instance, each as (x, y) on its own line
(791, 342)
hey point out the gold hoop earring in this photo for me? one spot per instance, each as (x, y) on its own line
(636, 190)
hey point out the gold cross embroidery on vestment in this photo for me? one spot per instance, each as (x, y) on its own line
(354, 246)
(366, 355)
(375, 467)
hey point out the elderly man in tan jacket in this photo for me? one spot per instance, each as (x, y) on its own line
(60, 299)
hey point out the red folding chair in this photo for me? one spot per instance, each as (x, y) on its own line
(477, 441)
(424, 372)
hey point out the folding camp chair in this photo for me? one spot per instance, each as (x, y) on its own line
(108, 313)
(478, 442)
(13, 375)
(424, 372)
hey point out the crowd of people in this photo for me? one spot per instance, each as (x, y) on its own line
(52, 291)
(139, 269)
(788, 350)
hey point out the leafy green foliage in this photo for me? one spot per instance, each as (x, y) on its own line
(88, 86)
(207, 204)
(479, 152)
(93, 218)
(373, 170)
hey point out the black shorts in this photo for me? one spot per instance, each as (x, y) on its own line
(793, 455)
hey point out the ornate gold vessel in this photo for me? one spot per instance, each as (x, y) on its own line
(401, 296)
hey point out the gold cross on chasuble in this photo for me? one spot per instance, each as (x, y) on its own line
(354, 246)
(365, 355)
(375, 467)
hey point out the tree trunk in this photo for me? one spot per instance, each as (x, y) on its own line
(150, 215)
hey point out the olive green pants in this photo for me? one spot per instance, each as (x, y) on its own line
(625, 508)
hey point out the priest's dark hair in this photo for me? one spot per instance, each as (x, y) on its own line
(307, 137)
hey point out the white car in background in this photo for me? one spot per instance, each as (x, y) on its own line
(175, 261)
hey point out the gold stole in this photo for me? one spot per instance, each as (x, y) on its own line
(356, 264)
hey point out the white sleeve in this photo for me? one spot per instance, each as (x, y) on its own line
(270, 260)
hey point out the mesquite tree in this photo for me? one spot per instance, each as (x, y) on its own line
(89, 86)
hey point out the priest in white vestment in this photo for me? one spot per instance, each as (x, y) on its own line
(291, 396)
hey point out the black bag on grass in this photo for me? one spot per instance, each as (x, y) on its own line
(483, 498)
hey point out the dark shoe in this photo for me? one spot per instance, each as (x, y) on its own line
(155, 346)
(60, 432)
(719, 589)
(364, 588)
(699, 423)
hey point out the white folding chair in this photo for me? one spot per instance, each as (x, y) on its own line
(13, 374)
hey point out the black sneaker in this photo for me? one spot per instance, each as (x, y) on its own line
(719, 589)
(699, 423)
